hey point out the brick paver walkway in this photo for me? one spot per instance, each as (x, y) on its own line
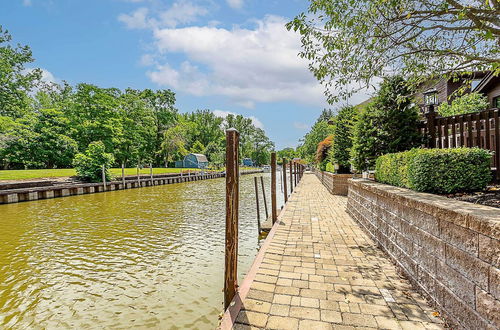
(322, 272)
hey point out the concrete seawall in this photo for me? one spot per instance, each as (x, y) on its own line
(63, 190)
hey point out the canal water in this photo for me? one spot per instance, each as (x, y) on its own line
(138, 258)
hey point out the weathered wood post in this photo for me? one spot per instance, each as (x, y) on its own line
(264, 196)
(431, 126)
(257, 201)
(123, 176)
(273, 187)
(291, 176)
(284, 180)
(232, 195)
(103, 170)
(151, 173)
(295, 172)
(138, 177)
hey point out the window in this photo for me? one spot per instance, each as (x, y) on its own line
(430, 97)
(496, 102)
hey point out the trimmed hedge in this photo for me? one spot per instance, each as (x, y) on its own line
(441, 171)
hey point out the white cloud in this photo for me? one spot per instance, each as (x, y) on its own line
(236, 4)
(301, 126)
(27, 3)
(136, 20)
(247, 65)
(181, 12)
(223, 114)
(47, 76)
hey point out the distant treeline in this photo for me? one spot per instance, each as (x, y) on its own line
(44, 125)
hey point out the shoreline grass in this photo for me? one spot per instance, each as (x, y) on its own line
(67, 172)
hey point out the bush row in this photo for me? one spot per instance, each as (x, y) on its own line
(436, 170)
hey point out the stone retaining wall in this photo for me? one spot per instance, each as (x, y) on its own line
(450, 250)
(337, 184)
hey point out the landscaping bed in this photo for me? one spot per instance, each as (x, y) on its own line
(489, 197)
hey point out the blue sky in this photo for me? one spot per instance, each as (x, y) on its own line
(223, 55)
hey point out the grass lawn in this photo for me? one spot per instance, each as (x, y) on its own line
(63, 172)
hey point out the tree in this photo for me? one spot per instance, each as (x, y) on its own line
(322, 151)
(94, 115)
(288, 153)
(320, 130)
(197, 148)
(468, 103)
(161, 102)
(350, 42)
(343, 132)
(389, 124)
(15, 80)
(89, 164)
(174, 145)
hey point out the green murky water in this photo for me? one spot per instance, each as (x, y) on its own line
(139, 258)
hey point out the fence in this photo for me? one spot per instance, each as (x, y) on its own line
(480, 129)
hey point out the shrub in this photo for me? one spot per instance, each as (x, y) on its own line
(393, 168)
(389, 124)
(440, 171)
(88, 165)
(330, 168)
(467, 103)
(322, 149)
(342, 143)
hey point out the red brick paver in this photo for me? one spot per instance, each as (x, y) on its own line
(321, 271)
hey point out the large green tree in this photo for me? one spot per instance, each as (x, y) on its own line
(350, 42)
(389, 124)
(342, 142)
(16, 81)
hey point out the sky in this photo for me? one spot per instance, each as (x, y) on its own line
(229, 56)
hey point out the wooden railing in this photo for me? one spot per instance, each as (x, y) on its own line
(480, 129)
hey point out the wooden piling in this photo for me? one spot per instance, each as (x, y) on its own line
(284, 180)
(138, 177)
(264, 196)
(103, 170)
(274, 205)
(257, 202)
(151, 173)
(232, 195)
(291, 176)
(123, 176)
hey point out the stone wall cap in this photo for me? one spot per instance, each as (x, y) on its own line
(480, 218)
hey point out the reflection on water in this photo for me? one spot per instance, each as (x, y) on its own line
(150, 257)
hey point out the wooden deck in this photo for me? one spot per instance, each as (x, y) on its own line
(318, 270)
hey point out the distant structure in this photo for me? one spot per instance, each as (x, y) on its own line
(247, 162)
(193, 161)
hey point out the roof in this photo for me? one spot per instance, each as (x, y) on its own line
(487, 81)
(200, 158)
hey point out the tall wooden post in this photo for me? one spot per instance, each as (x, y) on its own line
(291, 176)
(264, 195)
(103, 170)
(123, 176)
(151, 173)
(431, 126)
(273, 187)
(285, 194)
(257, 201)
(138, 176)
(295, 172)
(232, 196)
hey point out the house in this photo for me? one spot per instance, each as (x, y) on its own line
(192, 161)
(490, 86)
(247, 162)
(443, 90)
